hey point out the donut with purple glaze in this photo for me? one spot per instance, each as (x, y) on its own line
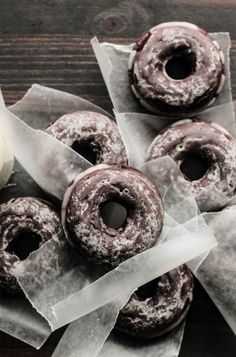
(84, 223)
(93, 135)
(206, 155)
(158, 306)
(176, 68)
(26, 223)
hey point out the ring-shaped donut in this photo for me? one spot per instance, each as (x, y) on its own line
(84, 223)
(209, 146)
(159, 306)
(25, 224)
(92, 135)
(197, 74)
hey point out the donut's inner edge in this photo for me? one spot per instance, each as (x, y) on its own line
(181, 63)
(114, 212)
(25, 242)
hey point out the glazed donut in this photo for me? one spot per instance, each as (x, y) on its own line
(206, 154)
(176, 68)
(92, 135)
(159, 306)
(84, 224)
(25, 224)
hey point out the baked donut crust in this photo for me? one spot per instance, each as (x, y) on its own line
(26, 216)
(85, 227)
(156, 90)
(148, 316)
(94, 131)
(213, 144)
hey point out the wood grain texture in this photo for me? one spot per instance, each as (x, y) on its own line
(63, 62)
(48, 42)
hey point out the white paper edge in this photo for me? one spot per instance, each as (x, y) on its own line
(176, 251)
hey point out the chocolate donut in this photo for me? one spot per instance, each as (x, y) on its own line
(25, 224)
(176, 68)
(93, 135)
(84, 223)
(159, 306)
(206, 154)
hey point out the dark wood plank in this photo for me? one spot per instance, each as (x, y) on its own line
(125, 18)
(64, 62)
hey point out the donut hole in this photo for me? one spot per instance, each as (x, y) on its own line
(147, 290)
(194, 165)
(86, 149)
(181, 64)
(114, 213)
(24, 243)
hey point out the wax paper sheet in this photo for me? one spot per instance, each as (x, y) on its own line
(53, 272)
(6, 161)
(19, 319)
(86, 336)
(136, 271)
(217, 273)
(6, 156)
(113, 63)
(39, 108)
(138, 131)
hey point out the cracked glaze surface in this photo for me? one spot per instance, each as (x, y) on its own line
(160, 93)
(162, 311)
(98, 131)
(38, 217)
(211, 141)
(85, 226)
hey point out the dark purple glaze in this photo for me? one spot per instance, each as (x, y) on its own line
(94, 131)
(210, 142)
(85, 226)
(152, 85)
(160, 307)
(21, 218)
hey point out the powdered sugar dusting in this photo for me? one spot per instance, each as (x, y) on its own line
(86, 227)
(28, 213)
(153, 83)
(217, 145)
(163, 310)
(96, 129)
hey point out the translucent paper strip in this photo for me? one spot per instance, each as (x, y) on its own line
(86, 336)
(42, 106)
(113, 63)
(6, 156)
(6, 161)
(17, 316)
(167, 346)
(217, 273)
(39, 108)
(53, 272)
(133, 273)
(20, 320)
(38, 153)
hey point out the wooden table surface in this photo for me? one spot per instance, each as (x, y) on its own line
(47, 42)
